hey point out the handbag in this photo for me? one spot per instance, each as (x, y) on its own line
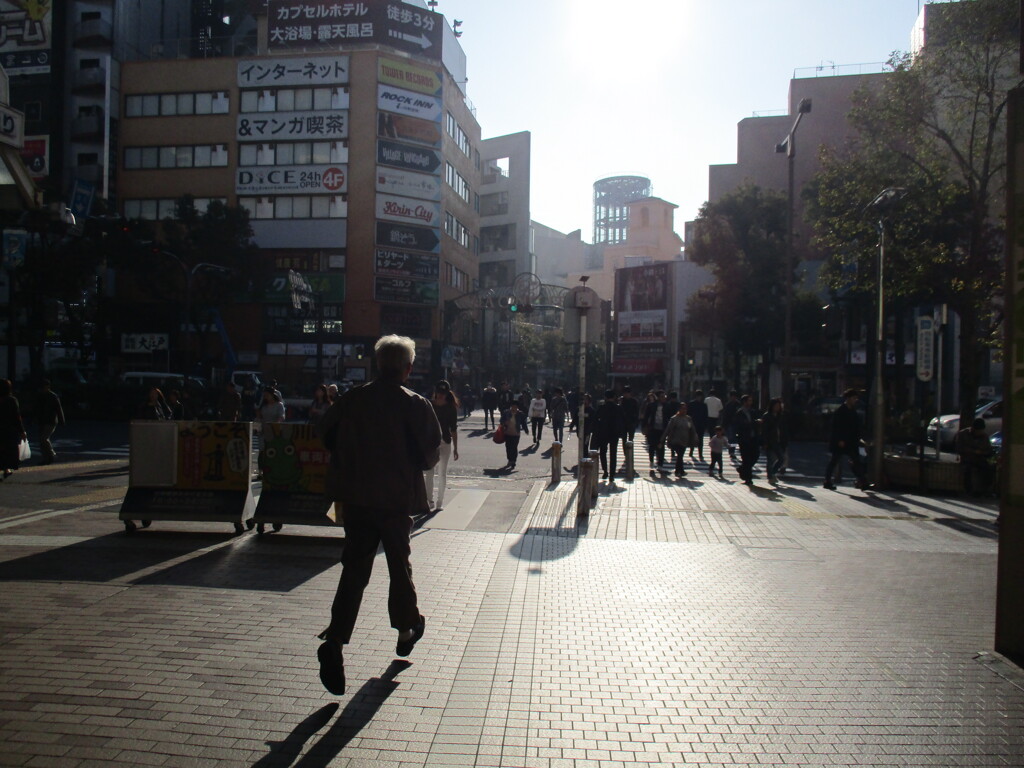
(499, 434)
(24, 451)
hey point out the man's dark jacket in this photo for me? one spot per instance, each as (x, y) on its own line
(845, 428)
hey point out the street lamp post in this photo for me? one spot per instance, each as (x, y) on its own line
(188, 276)
(788, 145)
(881, 206)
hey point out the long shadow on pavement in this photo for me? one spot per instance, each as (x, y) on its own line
(107, 558)
(267, 564)
(353, 718)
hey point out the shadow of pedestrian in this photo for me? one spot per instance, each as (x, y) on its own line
(770, 494)
(353, 718)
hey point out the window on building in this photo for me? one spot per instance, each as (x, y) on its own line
(501, 237)
(296, 207)
(171, 104)
(495, 204)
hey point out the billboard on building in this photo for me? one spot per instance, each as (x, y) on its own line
(291, 180)
(292, 126)
(405, 74)
(405, 128)
(306, 70)
(403, 102)
(398, 290)
(330, 25)
(642, 304)
(26, 36)
(408, 210)
(408, 184)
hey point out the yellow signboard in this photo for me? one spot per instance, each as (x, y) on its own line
(409, 76)
(293, 459)
(213, 455)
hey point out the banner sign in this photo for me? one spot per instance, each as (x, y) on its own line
(388, 261)
(12, 127)
(408, 157)
(189, 470)
(404, 102)
(408, 184)
(291, 179)
(144, 342)
(293, 125)
(925, 348)
(404, 291)
(26, 36)
(405, 128)
(213, 455)
(408, 236)
(405, 74)
(641, 303)
(36, 154)
(328, 287)
(329, 24)
(293, 72)
(292, 458)
(15, 247)
(406, 209)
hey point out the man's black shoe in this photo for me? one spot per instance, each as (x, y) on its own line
(332, 667)
(404, 647)
(829, 486)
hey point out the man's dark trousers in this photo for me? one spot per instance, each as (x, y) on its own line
(614, 444)
(750, 452)
(655, 450)
(365, 529)
(852, 452)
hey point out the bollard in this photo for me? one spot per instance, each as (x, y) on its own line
(627, 457)
(556, 463)
(595, 460)
(584, 475)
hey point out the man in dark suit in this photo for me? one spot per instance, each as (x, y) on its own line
(609, 428)
(845, 440)
(382, 437)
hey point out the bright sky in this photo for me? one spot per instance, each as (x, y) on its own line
(650, 87)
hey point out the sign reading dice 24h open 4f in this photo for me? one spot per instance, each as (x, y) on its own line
(330, 24)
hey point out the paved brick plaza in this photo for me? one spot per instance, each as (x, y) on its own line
(695, 623)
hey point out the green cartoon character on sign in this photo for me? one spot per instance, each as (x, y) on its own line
(280, 465)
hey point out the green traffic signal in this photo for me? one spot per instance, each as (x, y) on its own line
(513, 307)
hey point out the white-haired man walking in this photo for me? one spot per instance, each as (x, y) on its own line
(382, 437)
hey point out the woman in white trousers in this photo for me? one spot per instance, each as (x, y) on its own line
(446, 407)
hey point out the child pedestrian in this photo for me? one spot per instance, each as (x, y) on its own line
(718, 442)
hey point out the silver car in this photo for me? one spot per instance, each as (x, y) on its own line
(946, 427)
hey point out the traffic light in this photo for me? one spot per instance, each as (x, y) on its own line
(513, 307)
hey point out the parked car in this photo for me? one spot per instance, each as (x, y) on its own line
(945, 428)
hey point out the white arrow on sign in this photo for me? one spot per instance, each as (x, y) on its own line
(421, 40)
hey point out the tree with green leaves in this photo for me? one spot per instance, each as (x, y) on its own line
(935, 126)
(741, 239)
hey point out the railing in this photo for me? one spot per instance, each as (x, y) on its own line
(837, 70)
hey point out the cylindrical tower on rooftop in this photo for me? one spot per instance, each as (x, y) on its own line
(611, 198)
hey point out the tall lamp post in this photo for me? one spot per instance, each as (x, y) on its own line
(882, 206)
(788, 145)
(188, 276)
